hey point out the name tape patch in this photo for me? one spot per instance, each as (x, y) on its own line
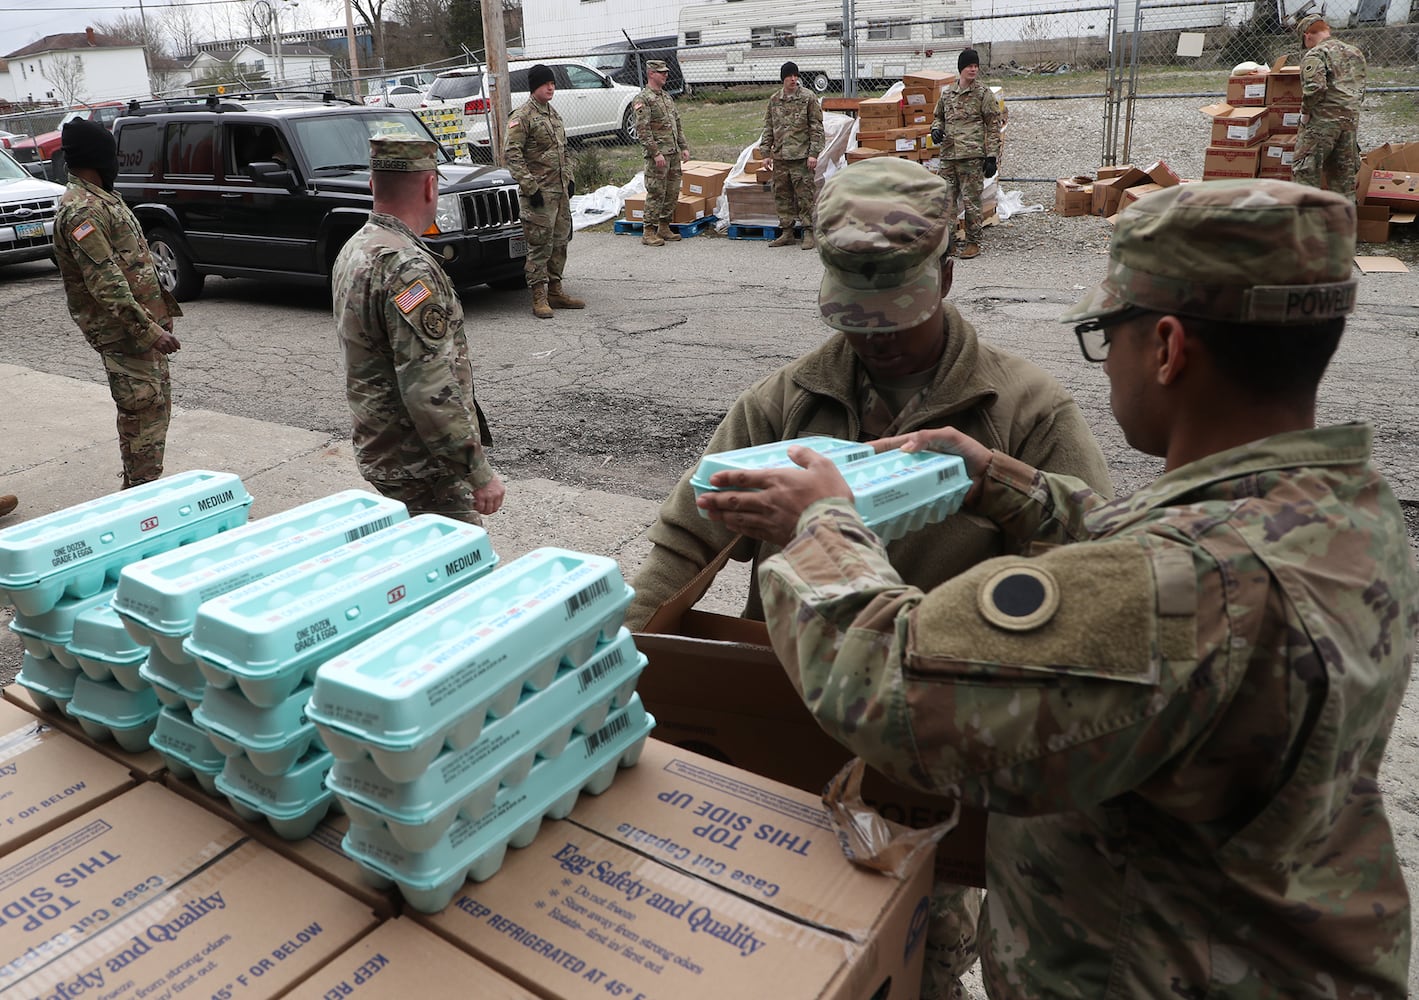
(1301, 303)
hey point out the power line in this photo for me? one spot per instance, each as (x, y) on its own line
(119, 6)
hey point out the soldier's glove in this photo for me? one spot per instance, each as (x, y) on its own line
(936, 134)
(990, 166)
(536, 199)
(571, 189)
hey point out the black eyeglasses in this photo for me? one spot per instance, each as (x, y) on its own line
(1093, 334)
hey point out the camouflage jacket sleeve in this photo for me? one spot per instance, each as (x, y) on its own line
(815, 127)
(990, 117)
(1314, 79)
(954, 693)
(1032, 506)
(766, 138)
(424, 342)
(514, 154)
(938, 121)
(645, 116)
(679, 126)
(85, 230)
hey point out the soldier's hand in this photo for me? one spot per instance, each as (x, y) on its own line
(936, 134)
(771, 514)
(947, 440)
(536, 199)
(489, 499)
(684, 156)
(812, 163)
(768, 163)
(167, 343)
(660, 161)
(990, 166)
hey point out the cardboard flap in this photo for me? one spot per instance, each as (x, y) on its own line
(667, 617)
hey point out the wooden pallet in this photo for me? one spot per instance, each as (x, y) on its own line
(685, 229)
(740, 231)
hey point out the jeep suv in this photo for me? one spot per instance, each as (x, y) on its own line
(272, 189)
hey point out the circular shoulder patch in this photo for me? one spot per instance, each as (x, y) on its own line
(1020, 598)
(434, 320)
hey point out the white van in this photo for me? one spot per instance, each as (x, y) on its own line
(746, 41)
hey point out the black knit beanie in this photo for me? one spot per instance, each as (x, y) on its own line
(88, 144)
(968, 57)
(537, 76)
(787, 70)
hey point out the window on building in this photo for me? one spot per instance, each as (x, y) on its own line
(949, 27)
(833, 29)
(692, 38)
(777, 36)
(880, 31)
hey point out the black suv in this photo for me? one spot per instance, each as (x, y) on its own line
(273, 188)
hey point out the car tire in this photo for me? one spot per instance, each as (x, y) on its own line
(819, 82)
(628, 133)
(174, 265)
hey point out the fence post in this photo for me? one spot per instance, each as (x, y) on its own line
(849, 47)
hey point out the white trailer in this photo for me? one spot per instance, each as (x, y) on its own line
(746, 41)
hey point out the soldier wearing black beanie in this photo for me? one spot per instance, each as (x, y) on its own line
(89, 145)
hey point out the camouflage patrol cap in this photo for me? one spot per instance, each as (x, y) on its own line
(881, 231)
(1245, 251)
(656, 66)
(403, 154)
(1308, 22)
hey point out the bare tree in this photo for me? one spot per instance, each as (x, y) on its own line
(130, 27)
(372, 13)
(67, 75)
(182, 30)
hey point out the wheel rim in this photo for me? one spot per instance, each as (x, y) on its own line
(628, 124)
(165, 263)
(820, 83)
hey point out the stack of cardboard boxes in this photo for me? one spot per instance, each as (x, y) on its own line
(1387, 191)
(901, 126)
(700, 186)
(1254, 130)
(1112, 189)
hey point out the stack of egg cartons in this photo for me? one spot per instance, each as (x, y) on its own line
(895, 493)
(157, 601)
(458, 730)
(59, 572)
(258, 648)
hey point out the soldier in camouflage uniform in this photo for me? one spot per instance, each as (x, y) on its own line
(1176, 710)
(418, 430)
(967, 128)
(536, 152)
(1332, 88)
(116, 298)
(791, 142)
(663, 140)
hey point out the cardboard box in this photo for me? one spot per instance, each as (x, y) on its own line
(703, 183)
(399, 960)
(1389, 175)
(1372, 224)
(920, 98)
(1283, 86)
(1161, 174)
(928, 79)
(47, 778)
(1237, 127)
(1108, 191)
(1280, 148)
(148, 895)
(913, 116)
(753, 165)
(147, 765)
(688, 209)
(1284, 119)
(864, 153)
(879, 113)
(1223, 161)
(635, 208)
(1103, 173)
(764, 175)
(693, 880)
(1247, 90)
(1130, 195)
(1073, 196)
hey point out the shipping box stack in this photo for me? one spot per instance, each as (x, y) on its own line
(1253, 132)
(1387, 191)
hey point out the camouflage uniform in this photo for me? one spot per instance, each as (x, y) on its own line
(418, 430)
(1176, 711)
(793, 133)
(536, 153)
(658, 125)
(968, 117)
(1332, 89)
(115, 297)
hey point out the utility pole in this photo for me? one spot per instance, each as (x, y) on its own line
(354, 53)
(495, 45)
(147, 60)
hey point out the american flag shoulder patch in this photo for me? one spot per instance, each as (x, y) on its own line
(83, 229)
(408, 299)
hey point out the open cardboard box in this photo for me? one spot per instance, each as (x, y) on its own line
(716, 687)
(1389, 176)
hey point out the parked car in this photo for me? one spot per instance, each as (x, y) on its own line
(8, 139)
(27, 209)
(272, 189)
(625, 62)
(42, 156)
(590, 104)
(402, 96)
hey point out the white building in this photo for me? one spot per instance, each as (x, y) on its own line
(298, 64)
(80, 67)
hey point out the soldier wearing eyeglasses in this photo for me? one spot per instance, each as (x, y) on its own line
(1176, 713)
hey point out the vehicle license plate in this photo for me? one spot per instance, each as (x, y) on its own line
(517, 246)
(26, 230)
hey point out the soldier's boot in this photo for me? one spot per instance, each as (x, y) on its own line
(809, 243)
(648, 237)
(785, 238)
(558, 299)
(667, 234)
(970, 250)
(8, 503)
(540, 307)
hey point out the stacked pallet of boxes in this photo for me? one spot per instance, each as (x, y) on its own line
(701, 182)
(1253, 132)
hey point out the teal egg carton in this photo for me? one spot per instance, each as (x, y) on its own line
(273, 739)
(105, 651)
(48, 681)
(175, 684)
(81, 549)
(269, 637)
(158, 597)
(186, 748)
(462, 784)
(435, 677)
(773, 455)
(48, 633)
(107, 711)
(294, 803)
(475, 849)
(899, 492)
